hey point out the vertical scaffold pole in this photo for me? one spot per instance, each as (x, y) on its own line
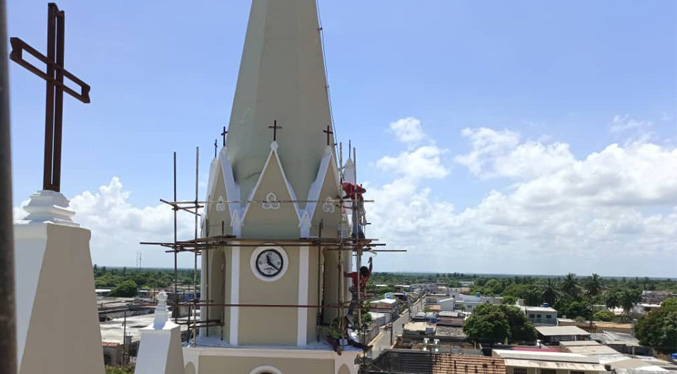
(176, 271)
(197, 172)
(358, 264)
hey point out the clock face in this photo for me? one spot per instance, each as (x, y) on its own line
(269, 263)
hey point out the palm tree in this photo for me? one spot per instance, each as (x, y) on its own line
(593, 285)
(612, 299)
(533, 297)
(628, 298)
(550, 293)
(570, 286)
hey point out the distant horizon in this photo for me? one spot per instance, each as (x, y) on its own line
(483, 275)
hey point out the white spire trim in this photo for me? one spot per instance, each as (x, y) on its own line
(327, 164)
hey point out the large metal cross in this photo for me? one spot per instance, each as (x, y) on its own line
(54, 75)
(275, 127)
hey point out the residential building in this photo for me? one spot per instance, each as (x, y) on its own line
(541, 315)
(448, 304)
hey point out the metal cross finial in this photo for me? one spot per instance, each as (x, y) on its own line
(216, 146)
(329, 134)
(223, 135)
(54, 76)
(275, 127)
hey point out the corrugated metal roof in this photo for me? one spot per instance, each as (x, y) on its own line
(560, 330)
(554, 365)
(546, 356)
(466, 364)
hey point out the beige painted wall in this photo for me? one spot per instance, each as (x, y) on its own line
(216, 283)
(268, 326)
(244, 365)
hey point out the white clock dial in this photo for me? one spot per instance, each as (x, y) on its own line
(269, 263)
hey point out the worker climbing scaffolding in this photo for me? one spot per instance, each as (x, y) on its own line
(354, 193)
(364, 274)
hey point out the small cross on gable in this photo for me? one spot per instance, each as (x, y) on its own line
(329, 134)
(223, 135)
(275, 127)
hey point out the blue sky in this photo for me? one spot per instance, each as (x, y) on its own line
(582, 74)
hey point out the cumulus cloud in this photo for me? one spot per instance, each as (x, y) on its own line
(613, 212)
(117, 226)
(501, 153)
(408, 130)
(421, 163)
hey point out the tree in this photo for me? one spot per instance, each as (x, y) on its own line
(521, 330)
(628, 298)
(550, 293)
(125, 289)
(509, 300)
(612, 300)
(533, 297)
(603, 315)
(658, 329)
(570, 286)
(593, 285)
(487, 324)
(575, 309)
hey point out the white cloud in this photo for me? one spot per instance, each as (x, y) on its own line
(423, 162)
(117, 227)
(622, 123)
(613, 212)
(501, 154)
(408, 130)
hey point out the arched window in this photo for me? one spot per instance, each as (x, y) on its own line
(265, 370)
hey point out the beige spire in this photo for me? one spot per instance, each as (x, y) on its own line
(281, 78)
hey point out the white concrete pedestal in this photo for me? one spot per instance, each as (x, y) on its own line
(160, 351)
(57, 320)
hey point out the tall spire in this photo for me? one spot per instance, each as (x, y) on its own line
(282, 78)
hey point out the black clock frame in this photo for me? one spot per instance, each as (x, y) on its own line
(281, 262)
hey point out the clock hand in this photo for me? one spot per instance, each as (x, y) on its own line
(271, 263)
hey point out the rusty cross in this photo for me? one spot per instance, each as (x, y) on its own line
(54, 76)
(275, 127)
(223, 135)
(216, 145)
(329, 134)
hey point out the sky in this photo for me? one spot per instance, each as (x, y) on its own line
(496, 137)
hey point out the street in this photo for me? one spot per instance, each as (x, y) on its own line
(382, 340)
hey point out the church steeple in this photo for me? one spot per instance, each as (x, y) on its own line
(282, 78)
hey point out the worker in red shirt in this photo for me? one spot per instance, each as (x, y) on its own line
(364, 274)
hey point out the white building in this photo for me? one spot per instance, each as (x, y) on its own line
(448, 304)
(541, 315)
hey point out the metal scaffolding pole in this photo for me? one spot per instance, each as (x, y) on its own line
(8, 363)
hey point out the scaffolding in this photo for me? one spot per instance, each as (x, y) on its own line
(353, 243)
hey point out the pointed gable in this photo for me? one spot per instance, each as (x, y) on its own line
(323, 196)
(270, 211)
(217, 211)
